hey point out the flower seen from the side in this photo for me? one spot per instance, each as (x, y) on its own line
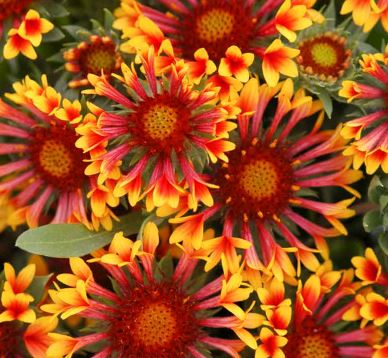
(151, 312)
(369, 133)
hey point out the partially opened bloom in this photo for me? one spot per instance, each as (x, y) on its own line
(262, 186)
(163, 125)
(369, 133)
(43, 170)
(324, 56)
(97, 54)
(151, 311)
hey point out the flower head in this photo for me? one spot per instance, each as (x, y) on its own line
(369, 133)
(49, 170)
(165, 123)
(261, 186)
(151, 312)
(217, 25)
(98, 53)
(306, 324)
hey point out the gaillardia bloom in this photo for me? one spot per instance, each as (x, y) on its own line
(369, 133)
(164, 132)
(263, 187)
(219, 24)
(97, 54)
(152, 312)
(324, 57)
(21, 333)
(311, 324)
(44, 171)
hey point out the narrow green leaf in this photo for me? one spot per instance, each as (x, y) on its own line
(327, 102)
(383, 242)
(69, 240)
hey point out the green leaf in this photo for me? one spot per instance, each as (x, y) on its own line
(54, 35)
(327, 102)
(52, 9)
(70, 240)
(383, 242)
(372, 220)
(375, 189)
(37, 287)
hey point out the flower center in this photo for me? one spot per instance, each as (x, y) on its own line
(217, 25)
(214, 25)
(151, 320)
(154, 321)
(98, 57)
(12, 7)
(9, 340)
(56, 159)
(324, 56)
(311, 340)
(160, 121)
(257, 181)
(160, 124)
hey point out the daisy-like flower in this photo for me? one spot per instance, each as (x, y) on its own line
(369, 133)
(309, 322)
(152, 312)
(219, 24)
(263, 187)
(97, 54)
(163, 132)
(17, 339)
(43, 171)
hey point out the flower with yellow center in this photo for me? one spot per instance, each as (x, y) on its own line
(152, 313)
(97, 54)
(214, 25)
(49, 170)
(324, 57)
(261, 185)
(163, 122)
(308, 322)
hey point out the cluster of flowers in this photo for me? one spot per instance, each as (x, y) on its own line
(209, 119)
